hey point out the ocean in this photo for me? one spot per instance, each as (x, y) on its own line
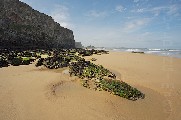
(162, 52)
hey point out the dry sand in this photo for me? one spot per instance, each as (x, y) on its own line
(30, 93)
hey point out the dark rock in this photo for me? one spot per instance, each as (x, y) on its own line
(138, 52)
(16, 61)
(22, 27)
(3, 62)
(40, 62)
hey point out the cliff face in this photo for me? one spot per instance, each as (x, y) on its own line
(22, 27)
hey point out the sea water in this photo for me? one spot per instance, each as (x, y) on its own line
(162, 52)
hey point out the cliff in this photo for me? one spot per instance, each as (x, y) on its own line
(22, 27)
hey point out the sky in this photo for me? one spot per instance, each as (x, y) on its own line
(118, 23)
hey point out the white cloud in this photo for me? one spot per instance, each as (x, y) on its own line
(120, 8)
(157, 10)
(140, 10)
(95, 14)
(136, 24)
(169, 10)
(61, 15)
(173, 10)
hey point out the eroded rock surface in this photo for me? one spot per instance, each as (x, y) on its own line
(22, 27)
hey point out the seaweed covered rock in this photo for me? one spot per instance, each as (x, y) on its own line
(76, 68)
(97, 71)
(40, 62)
(56, 62)
(64, 57)
(84, 52)
(58, 59)
(26, 61)
(86, 69)
(16, 58)
(99, 78)
(121, 89)
(3, 62)
(16, 61)
(93, 59)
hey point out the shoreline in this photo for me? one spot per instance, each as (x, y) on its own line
(179, 57)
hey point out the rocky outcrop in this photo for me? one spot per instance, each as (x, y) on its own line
(22, 27)
(78, 45)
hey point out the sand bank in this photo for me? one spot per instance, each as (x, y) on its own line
(30, 93)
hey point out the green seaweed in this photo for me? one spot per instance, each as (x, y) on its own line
(16, 61)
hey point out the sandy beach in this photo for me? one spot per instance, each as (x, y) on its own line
(36, 93)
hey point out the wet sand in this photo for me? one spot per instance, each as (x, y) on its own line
(30, 93)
